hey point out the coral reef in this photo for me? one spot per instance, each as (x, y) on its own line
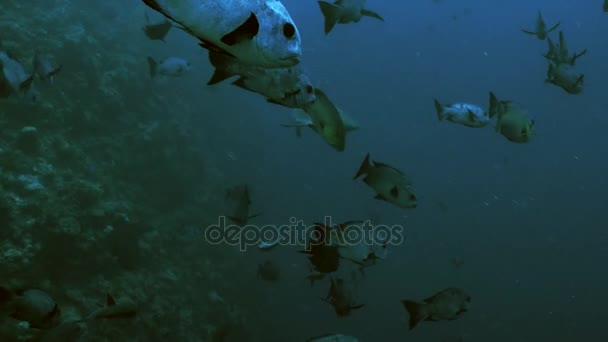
(95, 189)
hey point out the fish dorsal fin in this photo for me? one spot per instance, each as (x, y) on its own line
(371, 14)
(246, 31)
(25, 85)
(110, 300)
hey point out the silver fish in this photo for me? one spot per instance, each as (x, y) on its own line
(256, 32)
(344, 12)
(44, 68)
(14, 80)
(466, 114)
(170, 66)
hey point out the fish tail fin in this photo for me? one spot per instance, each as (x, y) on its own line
(153, 66)
(254, 215)
(416, 311)
(371, 14)
(331, 13)
(439, 109)
(364, 168)
(25, 85)
(219, 75)
(554, 27)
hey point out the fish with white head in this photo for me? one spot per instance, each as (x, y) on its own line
(256, 32)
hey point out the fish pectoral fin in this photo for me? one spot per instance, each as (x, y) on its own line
(331, 13)
(219, 75)
(380, 197)
(355, 307)
(554, 27)
(205, 44)
(254, 215)
(25, 85)
(246, 31)
(371, 14)
(416, 312)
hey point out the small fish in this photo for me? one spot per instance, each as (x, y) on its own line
(559, 54)
(541, 28)
(256, 32)
(289, 87)
(466, 114)
(14, 80)
(266, 246)
(565, 77)
(301, 119)
(391, 184)
(237, 204)
(33, 306)
(362, 252)
(333, 338)
(44, 68)
(170, 66)
(269, 271)
(345, 12)
(324, 258)
(157, 31)
(326, 120)
(513, 121)
(341, 297)
(448, 304)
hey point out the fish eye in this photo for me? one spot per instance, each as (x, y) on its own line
(309, 89)
(289, 30)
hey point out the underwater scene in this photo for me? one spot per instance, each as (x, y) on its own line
(303, 170)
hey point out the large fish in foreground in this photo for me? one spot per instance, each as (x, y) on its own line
(256, 32)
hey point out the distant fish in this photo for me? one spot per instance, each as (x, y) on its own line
(541, 28)
(345, 12)
(513, 121)
(301, 119)
(565, 77)
(44, 68)
(269, 271)
(341, 297)
(465, 114)
(256, 32)
(448, 304)
(14, 80)
(326, 120)
(391, 184)
(171, 66)
(237, 204)
(157, 31)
